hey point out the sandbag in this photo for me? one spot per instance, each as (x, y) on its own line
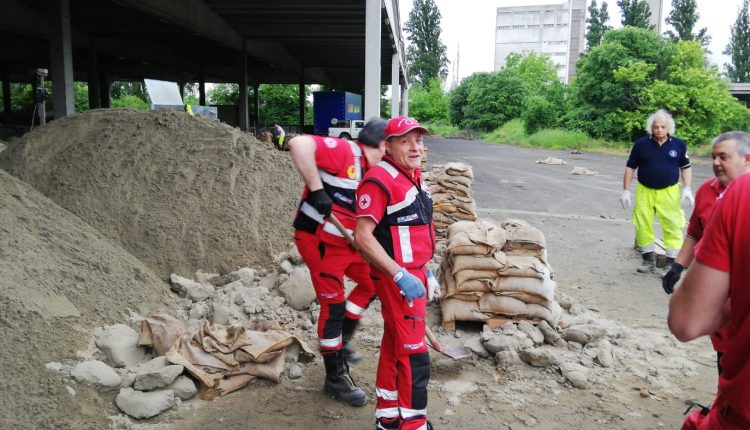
(524, 238)
(461, 227)
(469, 274)
(492, 262)
(512, 222)
(461, 215)
(493, 303)
(476, 286)
(460, 244)
(459, 169)
(524, 267)
(458, 190)
(544, 288)
(459, 310)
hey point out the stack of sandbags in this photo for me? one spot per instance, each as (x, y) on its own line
(492, 269)
(450, 186)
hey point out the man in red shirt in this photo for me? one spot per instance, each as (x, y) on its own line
(332, 169)
(731, 158)
(396, 233)
(715, 294)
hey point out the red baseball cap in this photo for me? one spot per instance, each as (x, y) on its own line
(401, 125)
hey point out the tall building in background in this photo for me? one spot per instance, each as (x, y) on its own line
(656, 19)
(557, 30)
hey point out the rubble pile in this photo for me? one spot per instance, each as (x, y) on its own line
(450, 186)
(497, 271)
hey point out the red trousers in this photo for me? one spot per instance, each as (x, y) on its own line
(328, 264)
(404, 365)
(719, 417)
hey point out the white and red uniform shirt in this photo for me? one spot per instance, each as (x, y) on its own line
(705, 201)
(724, 247)
(341, 164)
(401, 206)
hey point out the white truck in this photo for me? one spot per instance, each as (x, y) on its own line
(346, 129)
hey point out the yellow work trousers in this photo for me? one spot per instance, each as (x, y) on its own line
(664, 203)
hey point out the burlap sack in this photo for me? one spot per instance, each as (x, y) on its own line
(476, 286)
(551, 315)
(460, 244)
(522, 252)
(457, 190)
(512, 222)
(450, 181)
(459, 310)
(461, 227)
(526, 297)
(459, 169)
(523, 238)
(467, 275)
(525, 267)
(464, 216)
(493, 303)
(492, 262)
(543, 288)
(443, 206)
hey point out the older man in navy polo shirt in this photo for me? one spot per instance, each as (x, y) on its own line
(660, 158)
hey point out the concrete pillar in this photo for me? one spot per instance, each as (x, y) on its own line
(256, 111)
(93, 77)
(244, 126)
(6, 90)
(202, 89)
(181, 85)
(405, 101)
(104, 87)
(301, 102)
(372, 58)
(61, 58)
(395, 87)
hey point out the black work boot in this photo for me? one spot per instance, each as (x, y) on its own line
(667, 266)
(347, 331)
(648, 263)
(339, 383)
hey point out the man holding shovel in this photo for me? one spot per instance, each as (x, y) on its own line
(395, 232)
(332, 169)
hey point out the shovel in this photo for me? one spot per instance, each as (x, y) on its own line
(453, 351)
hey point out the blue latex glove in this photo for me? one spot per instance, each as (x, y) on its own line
(409, 284)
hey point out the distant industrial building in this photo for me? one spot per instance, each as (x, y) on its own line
(656, 19)
(557, 30)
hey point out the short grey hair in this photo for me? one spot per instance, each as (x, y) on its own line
(661, 113)
(741, 138)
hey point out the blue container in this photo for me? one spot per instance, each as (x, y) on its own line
(328, 105)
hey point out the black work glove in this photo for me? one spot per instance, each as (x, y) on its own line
(671, 277)
(320, 200)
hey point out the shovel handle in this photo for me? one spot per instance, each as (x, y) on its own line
(433, 340)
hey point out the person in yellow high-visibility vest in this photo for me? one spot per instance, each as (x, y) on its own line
(278, 134)
(660, 159)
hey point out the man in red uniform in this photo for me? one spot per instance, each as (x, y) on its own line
(396, 233)
(715, 294)
(731, 158)
(332, 169)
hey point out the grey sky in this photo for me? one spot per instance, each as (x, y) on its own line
(470, 24)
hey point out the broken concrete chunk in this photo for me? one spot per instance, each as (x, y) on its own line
(139, 404)
(120, 344)
(195, 291)
(156, 373)
(298, 290)
(532, 332)
(245, 275)
(96, 373)
(183, 387)
(583, 334)
(507, 359)
(540, 357)
(551, 336)
(475, 345)
(575, 373)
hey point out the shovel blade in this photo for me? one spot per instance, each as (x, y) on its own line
(455, 352)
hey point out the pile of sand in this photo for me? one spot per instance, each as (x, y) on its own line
(59, 278)
(178, 192)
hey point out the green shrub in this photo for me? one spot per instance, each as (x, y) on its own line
(512, 132)
(539, 114)
(130, 101)
(559, 139)
(440, 129)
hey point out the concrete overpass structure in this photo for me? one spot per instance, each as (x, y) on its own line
(349, 45)
(741, 92)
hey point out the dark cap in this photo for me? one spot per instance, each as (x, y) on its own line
(372, 133)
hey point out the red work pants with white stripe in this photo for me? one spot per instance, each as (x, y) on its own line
(328, 264)
(404, 365)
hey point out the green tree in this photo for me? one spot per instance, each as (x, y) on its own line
(597, 24)
(492, 99)
(429, 103)
(130, 101)
(635, 13)
(81, 94)
(426, 54)
(539, 114)
(738, 49)
(223, 94)
(120, 89)
(280, 103)
(683, 18)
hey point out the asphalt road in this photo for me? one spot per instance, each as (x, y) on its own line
(589, 235)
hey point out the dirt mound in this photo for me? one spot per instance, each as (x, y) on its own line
(59, 278)
(178, 192)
